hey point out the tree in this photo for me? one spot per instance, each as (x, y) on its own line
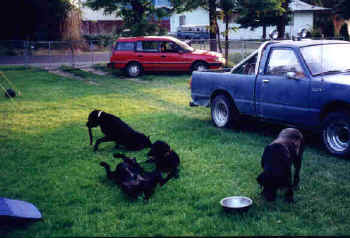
(339, 10)
(33, 19)
(343, 10)
(140, 16)
(212, 24)
(263, 13)
(228, 8)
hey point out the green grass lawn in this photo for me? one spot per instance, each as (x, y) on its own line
(46, 159)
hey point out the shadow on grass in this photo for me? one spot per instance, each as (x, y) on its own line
(147, 76)
(268, 129)
(9, 224)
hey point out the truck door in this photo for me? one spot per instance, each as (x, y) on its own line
(282, 88)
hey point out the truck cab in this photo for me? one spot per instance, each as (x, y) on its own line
(303, 83)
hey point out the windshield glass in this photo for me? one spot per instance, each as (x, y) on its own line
(183, 45)
(329, 58)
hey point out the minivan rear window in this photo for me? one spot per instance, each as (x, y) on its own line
(124, 46)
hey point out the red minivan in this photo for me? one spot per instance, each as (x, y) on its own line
(160, 53)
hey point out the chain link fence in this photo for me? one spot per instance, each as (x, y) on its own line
(54, 53)
(90, 52)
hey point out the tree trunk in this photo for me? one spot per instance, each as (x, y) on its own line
(283, 21)
(337, 23)
(347, 22)
(281, 28)
(212, 26)
(226, 38)
(218, 36)
(264, 32)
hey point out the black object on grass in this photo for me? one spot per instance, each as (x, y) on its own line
(10, 93)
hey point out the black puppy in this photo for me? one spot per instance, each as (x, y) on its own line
(116, 130)
(131, 177)
(277, 160)
(165, 158)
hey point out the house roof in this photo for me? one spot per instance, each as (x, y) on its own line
(300, 6)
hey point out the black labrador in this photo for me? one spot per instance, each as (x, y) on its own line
(132, 179)
(165, 159)
(116, 130)
(277, 160)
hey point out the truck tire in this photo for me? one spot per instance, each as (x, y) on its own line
(223, 112)
(133, 69)
(336, 133)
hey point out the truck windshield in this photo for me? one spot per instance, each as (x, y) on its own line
(327, 59)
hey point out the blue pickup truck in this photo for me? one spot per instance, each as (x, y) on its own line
(305, 83)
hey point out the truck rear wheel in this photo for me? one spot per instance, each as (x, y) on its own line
(336, 133)
(223, 113)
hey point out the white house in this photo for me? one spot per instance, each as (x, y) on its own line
(303, 17)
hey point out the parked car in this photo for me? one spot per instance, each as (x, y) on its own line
(160, 53)
(305, 83)
(189, 32)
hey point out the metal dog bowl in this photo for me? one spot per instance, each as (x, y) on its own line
(236, 203)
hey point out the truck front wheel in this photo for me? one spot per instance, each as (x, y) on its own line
(336, 133)
(222, 111)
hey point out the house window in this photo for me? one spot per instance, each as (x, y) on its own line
(182, 20)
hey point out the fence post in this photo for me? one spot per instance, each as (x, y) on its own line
(25, 43)
(91, 51)
(72, 50)
(50, 59)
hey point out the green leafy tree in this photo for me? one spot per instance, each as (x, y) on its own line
(264, 13)
(140, 16)
(339, 11)
(229, 8)
(33, 19)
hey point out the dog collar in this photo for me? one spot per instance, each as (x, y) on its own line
(99, 114)
(168, 153)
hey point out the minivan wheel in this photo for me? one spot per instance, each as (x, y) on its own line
(199, 66)
(133, 69)
(223, 113)
(336, 133)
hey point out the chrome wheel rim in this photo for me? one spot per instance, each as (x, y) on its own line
(221, 114)
(134, 70)
(338, 136)
(201, 67)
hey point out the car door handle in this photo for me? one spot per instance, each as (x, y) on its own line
(140, 56)
(266, 80)
(163, 56)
